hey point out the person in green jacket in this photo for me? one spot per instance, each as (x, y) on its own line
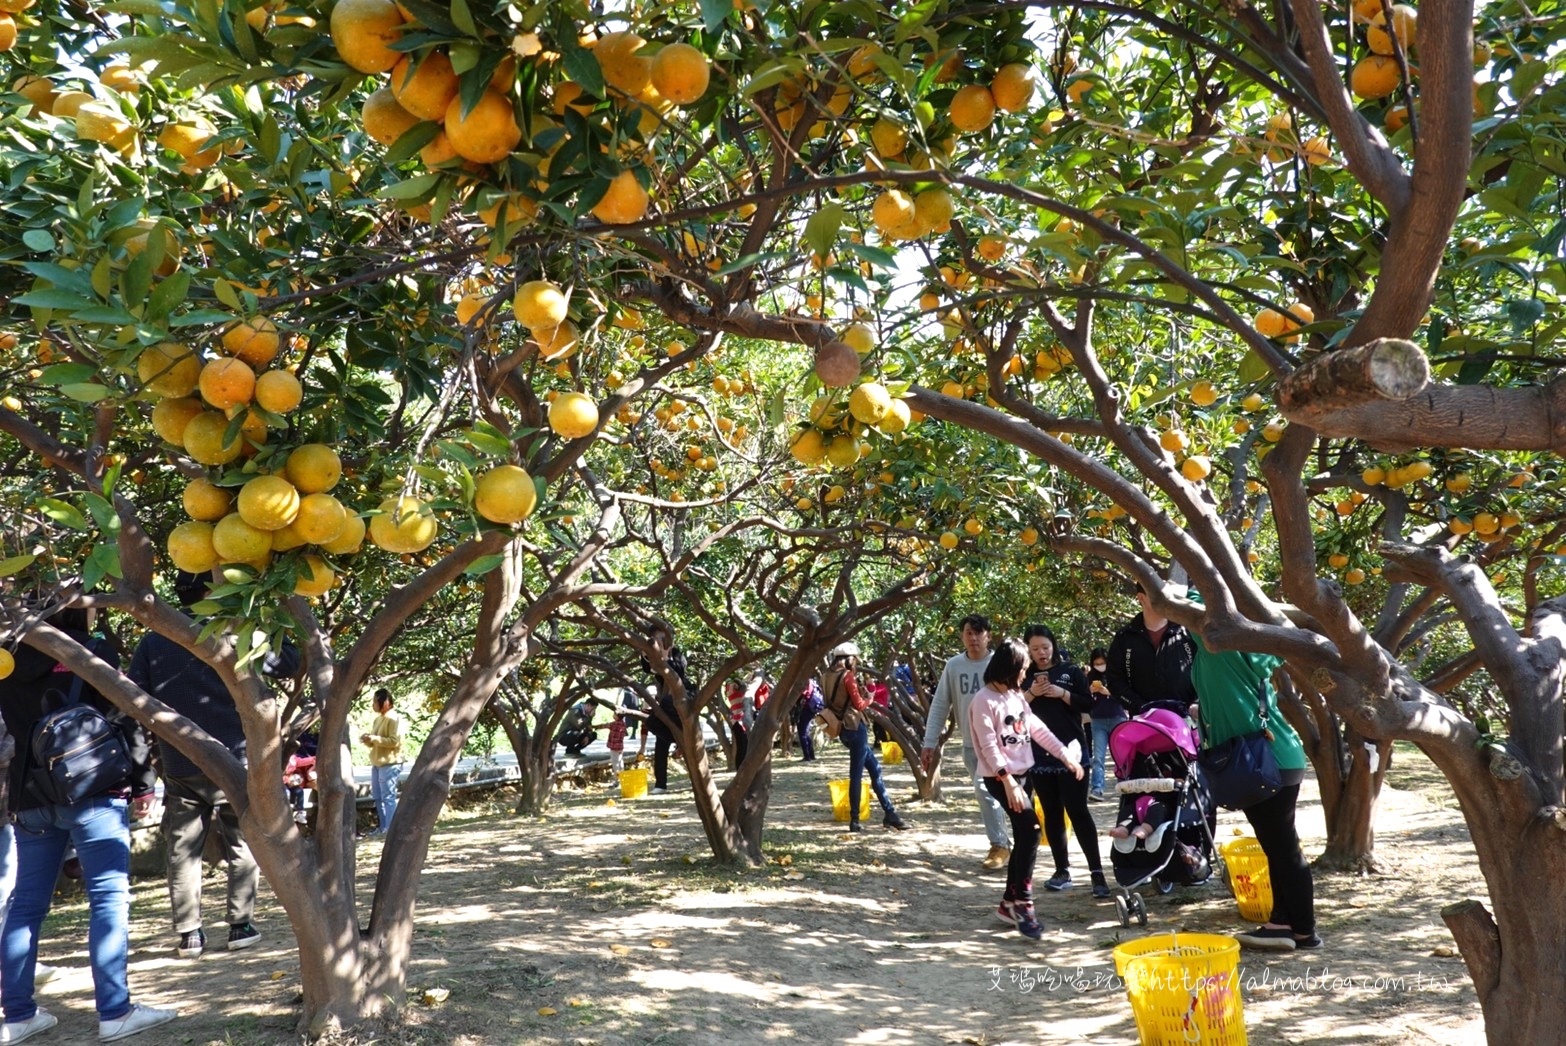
(1232, 687)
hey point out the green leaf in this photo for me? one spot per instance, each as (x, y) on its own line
(52, 298)
(67, 374)
(166, 295)
(39, 240)
(1253, 367)
(86, 393)
(15, 565)
(495, 446)
(103, 513)
(821, 229)
(412, 140)
(483, 565)
(582, 67)
(715, 12)
(225, 293)
(63, 513)
(462, 18)
(106, 558)
(416, 188)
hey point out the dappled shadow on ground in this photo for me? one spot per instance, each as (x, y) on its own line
(609, 923)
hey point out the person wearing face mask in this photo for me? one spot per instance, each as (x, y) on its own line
(1105, 713)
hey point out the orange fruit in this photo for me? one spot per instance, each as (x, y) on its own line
(933, 210)
(972, 108)
(1196, 468)
(348, 539)
(103, 122)
(425, 90)
(506, 494)
(168, 369)
(203, 439)
(37, 90)
(236, 541)
(1396, 118)
(488, 133)
(268, 503)
(404, 525)
(573, 415)
(624, 202)
(570, 95)
(170, 415)
(1375, 76)
(991, 248)
(623, 69)
(313, 468)
(888, 138)
(278, 391)
(1012, 87)
(315, 578)
(869, 403)
(1404, 19)
(68, 103)
(206, 501)
(254, 340)
(363, 32)
(187, 140)
(190, 547)
(809, 447)
(7, 41)
(894, 215)
(321, 518)
(680, 72)
(385, 120)
(438, 152)
(843, 451)
(540, 305)
(897, 418)
(557, 343)
(227, 383)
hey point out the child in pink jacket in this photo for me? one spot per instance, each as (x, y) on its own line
(1001, 726)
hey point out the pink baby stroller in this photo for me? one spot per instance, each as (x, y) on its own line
(1164, 805)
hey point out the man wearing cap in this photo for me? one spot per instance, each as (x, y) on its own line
(848, 702)
(961, 679)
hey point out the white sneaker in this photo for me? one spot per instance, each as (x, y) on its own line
(139, 1019)
(44, 974)
(21, 1031)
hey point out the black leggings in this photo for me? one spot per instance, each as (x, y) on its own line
(1025, 839)
(1293, 890)
(662, 742)
(1061, 794)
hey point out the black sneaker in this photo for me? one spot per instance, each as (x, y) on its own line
(1059, 881)
(1307, 943)
(1267, 939)
(855, 826)
(891, 820)
(191, 944)
(242, 936)
(1100, 886)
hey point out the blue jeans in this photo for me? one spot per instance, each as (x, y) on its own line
(1101, 729)
(100, 830)
(861, 757)
(7, 869)
(383, 786)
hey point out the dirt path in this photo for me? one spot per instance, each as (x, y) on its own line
(608, 924)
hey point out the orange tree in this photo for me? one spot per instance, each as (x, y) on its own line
(1090, 231)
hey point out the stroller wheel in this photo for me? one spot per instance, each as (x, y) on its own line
(1122, 910)
(1138, 909)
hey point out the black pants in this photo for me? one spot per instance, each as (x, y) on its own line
(741, 742)
(1024, 836)
(1293, 890)
(662, 742)
(1061, 794)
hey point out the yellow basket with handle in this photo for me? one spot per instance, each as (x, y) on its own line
(891, 752)
(633, 783)
(839, 791)
(1249, 879)
(1184, 989)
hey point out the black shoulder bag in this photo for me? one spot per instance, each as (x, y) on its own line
(1242, 771)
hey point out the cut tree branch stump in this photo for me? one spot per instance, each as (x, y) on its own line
(1478, 941)
(1384, 369)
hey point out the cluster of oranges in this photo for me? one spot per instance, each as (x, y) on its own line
(833, 435)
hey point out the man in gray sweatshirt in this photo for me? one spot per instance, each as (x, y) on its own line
(961, 679)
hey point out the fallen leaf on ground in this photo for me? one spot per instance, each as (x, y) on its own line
(435, 996)
(1444, 951)
(792, 876)
(619, 949)
(547, 1011)
(658, 942)
(278, 975)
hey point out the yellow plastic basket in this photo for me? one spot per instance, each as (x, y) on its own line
(839, 790)
(891, 752)
(633, 783)
(1249, 879)
(1184, 989)
(1038, 811)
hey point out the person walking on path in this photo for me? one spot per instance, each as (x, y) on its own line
(1150, 662)
(384, 741)
(192, 803)
(1057, 693)
(1105, 714)
(844, 697)
(806, 708)
(1001, 726)
(97, 826)
(1236, 693)
(961, 679)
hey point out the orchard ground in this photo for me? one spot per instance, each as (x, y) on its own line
(607, 923)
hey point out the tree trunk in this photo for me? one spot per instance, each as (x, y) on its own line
(535, 762)
(728, 842)
(1351, 819)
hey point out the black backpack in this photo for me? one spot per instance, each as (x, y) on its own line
(75, 752)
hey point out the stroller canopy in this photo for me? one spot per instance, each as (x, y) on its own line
(1158, 730)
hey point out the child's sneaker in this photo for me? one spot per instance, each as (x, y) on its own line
(1027, 925)
(1007, 913)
